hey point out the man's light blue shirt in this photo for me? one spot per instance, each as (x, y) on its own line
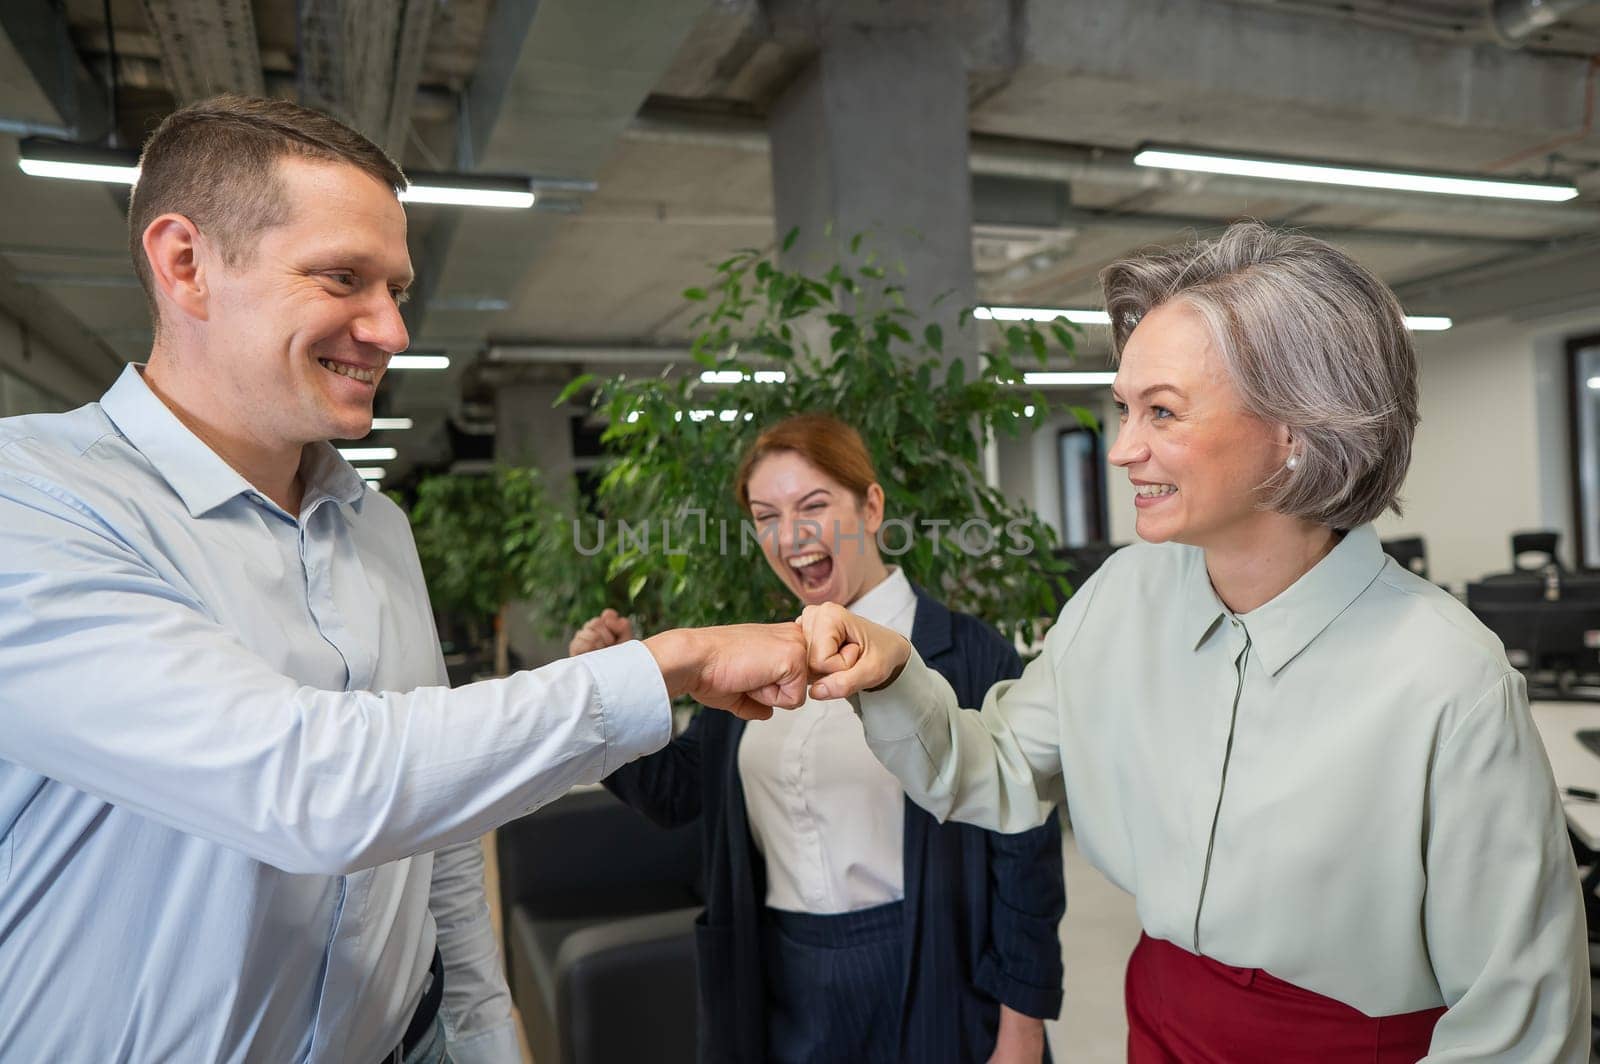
(238, 804)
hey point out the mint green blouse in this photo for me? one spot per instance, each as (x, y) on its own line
(1343, 787)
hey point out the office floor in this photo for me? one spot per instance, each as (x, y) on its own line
(1099, 932)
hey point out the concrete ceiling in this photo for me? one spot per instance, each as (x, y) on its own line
(663, 106)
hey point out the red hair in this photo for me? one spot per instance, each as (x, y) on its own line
(821, 439)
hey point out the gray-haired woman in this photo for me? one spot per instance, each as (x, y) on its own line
(1315, 771)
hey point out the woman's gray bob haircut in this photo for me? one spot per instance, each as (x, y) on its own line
(1312, 341)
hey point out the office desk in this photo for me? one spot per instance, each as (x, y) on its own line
(1575, 765)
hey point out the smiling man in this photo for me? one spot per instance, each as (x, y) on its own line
(238, 805)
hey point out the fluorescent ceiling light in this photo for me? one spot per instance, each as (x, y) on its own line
(469, 190)
(368, 454)
(1076, 315)
(1070, 377)
(372, 472)
(107, 173)
(42, 157)
(739, 376)
(1417, 323)
(703, 415)
(466, 197)
(1358, 177)
(1593, 383)
(419, 362)
(394, 424)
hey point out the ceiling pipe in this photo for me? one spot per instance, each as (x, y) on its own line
(1512, 22)
(1041, 160)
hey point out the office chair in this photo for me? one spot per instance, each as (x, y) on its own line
(1539, 548)
(1410, 551)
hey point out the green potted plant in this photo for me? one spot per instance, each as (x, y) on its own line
(487, 540)
(666, 532)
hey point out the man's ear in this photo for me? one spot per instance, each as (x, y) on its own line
(174, 250)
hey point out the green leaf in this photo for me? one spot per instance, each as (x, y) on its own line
(855, 244)
(574, 387)
(790, 237)
(934, 336)
(636, 585)
(694, 295)
(1064, 337)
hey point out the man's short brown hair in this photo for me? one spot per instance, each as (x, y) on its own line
(215, 163)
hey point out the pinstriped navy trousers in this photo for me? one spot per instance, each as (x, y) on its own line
(834, 985)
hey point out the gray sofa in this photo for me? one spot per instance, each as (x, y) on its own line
(599, 909)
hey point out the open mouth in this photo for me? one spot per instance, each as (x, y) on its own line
(812, 569)
(345, 369)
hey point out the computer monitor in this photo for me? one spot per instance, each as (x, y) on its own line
(1504, 589)
(1579, 587)
(1562, 637)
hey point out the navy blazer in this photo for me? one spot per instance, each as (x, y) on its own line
(981, 908)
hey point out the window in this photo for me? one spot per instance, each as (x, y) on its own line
(1083, 488)
(1583, 357)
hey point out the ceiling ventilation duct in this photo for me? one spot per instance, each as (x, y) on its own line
(1513, 21)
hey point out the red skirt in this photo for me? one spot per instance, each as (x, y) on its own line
(1184, 1009)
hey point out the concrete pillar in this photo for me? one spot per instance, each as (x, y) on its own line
(530, 432)
(872, 139)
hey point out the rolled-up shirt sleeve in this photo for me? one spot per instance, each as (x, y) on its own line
(1503, 913)
(170, 716)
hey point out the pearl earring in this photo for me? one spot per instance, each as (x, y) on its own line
(1293, 462)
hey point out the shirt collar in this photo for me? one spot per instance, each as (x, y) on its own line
(886, 601)
(197, 473)
(327, 477)
(1283, 627)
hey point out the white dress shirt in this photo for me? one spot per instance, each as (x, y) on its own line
(1343, 787)
(238, 803)
(826, 815)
